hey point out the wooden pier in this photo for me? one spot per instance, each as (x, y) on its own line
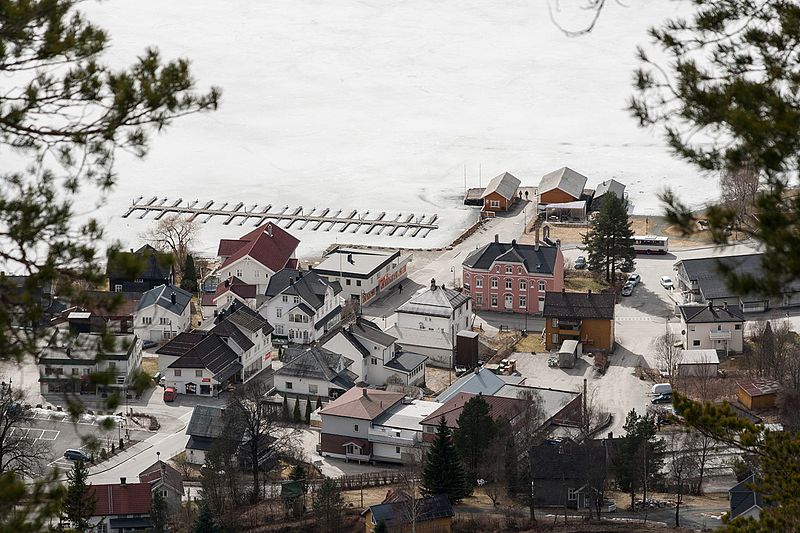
(315, 219)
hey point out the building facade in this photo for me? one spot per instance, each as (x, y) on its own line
(561, 186)
(512, 277)
(155, 269)
(364, 274)
(715, 327)
(586, 317)
(162, 313)
(501, 193)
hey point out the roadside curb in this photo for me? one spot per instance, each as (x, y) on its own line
(138, 452)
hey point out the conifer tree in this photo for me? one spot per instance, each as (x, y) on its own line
(79, 502)
(285, 410)
(296, 416)
(475, 431)
(443, 472)
(328, 506)
(204, 523)
(189, 280)
(609, 241)
(640, 455)
(308, 411)
(158, 512)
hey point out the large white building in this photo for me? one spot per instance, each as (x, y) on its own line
(65, 363)
(428, 323)
(302, 306)
(716, 327)
(364, 274)
(256, 256)
(377, 359)
(162, 313)
(313, 373)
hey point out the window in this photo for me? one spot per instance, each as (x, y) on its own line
(554, 322)
(554, 338)
(305, 336)
(695, 343)
(177, 373)
(284, 298)
(163, 321)
(198, 373)
(279, 329)
(519, 270)
(279, 312)
(118, 287)
(494, 300)
(147, 320)
(509, 270)
(479, 282)
(101, 528)
(738, 326)
(523, 302)
(288, 385)
(373, 360)
(238, 272)
(397, 450)
(479, 299)
(572, 494)
(422, 325)
(120, 380)
(509, 283)
(355, 428)
(297, 299)
(312, 389)
(523, 285)
(542, 286)
(358, 283)
(347, 281)
(112, 365)
(495, 203)
(494, 283)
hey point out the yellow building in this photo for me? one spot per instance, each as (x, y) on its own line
(585, 317)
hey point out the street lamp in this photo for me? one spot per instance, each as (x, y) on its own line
(453, 270)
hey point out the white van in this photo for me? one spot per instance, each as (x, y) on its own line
(662, 388)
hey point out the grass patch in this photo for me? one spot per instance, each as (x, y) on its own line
(583, 283)
(530, 344)
(150, 365)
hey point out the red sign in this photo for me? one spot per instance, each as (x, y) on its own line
(206, 380)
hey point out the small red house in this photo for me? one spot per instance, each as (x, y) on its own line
(501, 192)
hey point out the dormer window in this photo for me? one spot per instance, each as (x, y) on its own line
(509, 270)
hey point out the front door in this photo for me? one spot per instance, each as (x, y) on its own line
(509, 301)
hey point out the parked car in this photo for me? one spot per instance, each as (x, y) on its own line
(609, 506)
(170, 394)
(628, 266)
(662, 398)
(634, 278)
(580, 262)
(666, 282)
(76, 455)
(627, 289)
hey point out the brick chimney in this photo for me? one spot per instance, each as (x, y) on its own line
(496, 237)
(433, 284)
(122, 481)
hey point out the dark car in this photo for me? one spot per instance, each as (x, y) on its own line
(580, 262)
(663, 398)
(76, 455)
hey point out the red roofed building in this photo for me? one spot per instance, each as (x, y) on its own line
(228, 291)
(255, 257)
(499, 407)
(121, 507)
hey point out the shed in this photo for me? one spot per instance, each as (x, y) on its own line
(467, 348)
(568, 353)
(562, 185)
(500, 193)
(698, 363)
(604, 189)
(758, 393)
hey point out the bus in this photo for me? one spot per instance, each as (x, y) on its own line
(650, 244)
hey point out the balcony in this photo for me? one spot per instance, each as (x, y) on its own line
(357, 456)
(389, 436)
(719, 335)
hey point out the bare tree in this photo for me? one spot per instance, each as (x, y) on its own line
(701, 445)
(174, 234)
(738, 191)
(528, 432)
(18, 452)
(681, 464)
(264, 439)
(669, 352)
(407, 494)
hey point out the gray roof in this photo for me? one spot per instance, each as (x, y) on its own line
(480, 381)
(553, 400)
(712, 285)
(701, 314)
(248, 319)
(308, 285)
(368, 330)
(743, 497)
(85, 348)
(579, 305)
(227, 328)
(406, 361)
(355, 263)
(394, 514)
(162, 296)
(505, 185)
(610, 186)
(314, 363)
(421, 337)
(564, 179)
(698, 357)
(207, 421)
(527, 255)
(211, 353)
(436, 301)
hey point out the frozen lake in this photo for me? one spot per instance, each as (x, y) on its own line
(380, 105)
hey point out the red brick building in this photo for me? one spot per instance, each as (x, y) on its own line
(512, 277)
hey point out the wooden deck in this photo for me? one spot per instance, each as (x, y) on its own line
(315, 219)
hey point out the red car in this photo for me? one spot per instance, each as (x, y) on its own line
(170, 394)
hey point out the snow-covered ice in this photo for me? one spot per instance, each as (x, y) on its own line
(380, 104)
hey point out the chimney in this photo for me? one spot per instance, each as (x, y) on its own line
(291, 280)
(558, 243)
(536, 246)
(513, 243)
(477, 370)
(173, 298)
(725, 305)
(122, 481)
(433, 284)
(269, 229)
(228, 282)
(364, 393)
(222, 413)
(69, 351)
(710, 304)
(496, 237)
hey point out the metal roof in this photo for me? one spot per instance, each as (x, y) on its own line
(308, 285)
(162, 297)
(698, 357)
(760, 387)
(610, 186)
(407, 415)
(428, 508)
(590, 305)
(362, 403)
(406, 361)
(313, 363)
(370, 331)
(352, 262)
(700, 314)
(435, 301)
(535, 259)
(564, 179)
(505, 185)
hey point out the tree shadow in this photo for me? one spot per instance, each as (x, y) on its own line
(625, 358)
(647, 301)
